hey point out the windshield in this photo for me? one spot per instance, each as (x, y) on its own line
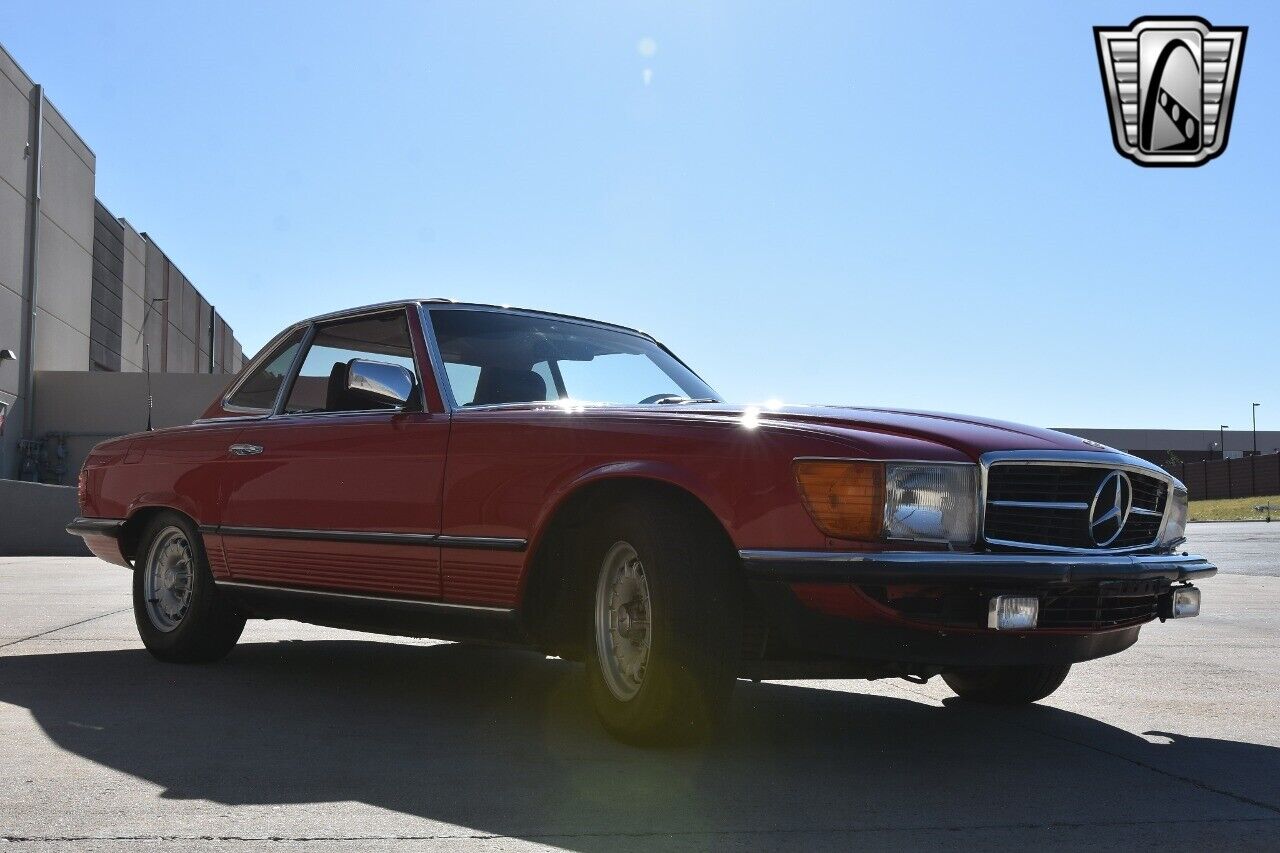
(492, 358)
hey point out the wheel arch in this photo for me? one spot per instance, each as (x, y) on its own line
(136, 522)
(550, 583)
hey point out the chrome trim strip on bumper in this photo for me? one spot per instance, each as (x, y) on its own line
(952, 567)
(94, 526)
(355, 596)
(490, 543)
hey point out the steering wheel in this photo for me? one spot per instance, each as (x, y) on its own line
(655, 398)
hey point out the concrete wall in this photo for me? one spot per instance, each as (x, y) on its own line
(92, 407)
(32, 517)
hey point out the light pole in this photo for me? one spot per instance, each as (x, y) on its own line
(1222, 439)
(1255, 428)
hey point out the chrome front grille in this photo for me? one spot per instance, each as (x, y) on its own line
(1048, 505)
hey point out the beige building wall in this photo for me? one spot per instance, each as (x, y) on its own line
(64, 242)
(15, 130)
(144, 294)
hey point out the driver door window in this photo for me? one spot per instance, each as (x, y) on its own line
(321, 382)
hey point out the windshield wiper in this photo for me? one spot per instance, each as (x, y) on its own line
(674, 400)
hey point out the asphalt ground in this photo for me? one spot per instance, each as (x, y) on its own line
(322, 740)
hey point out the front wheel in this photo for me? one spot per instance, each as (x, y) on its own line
(1007, 685)
(665, 621)
(181, 617)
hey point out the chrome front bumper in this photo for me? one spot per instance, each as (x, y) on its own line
(880, 567)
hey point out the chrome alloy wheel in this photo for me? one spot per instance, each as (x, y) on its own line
(168, 577)
(624, 633)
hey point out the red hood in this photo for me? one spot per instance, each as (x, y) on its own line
(882, 433)
(972, 436)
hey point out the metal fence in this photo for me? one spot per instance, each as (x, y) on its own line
(1246, 477)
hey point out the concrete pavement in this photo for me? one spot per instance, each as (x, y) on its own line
(315, 739)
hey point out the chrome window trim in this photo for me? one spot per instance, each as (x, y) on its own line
(374, 308)
(265, 353)
(422, 305)
(437, 361)
(278, 413)
(450, 305)
(1084, 458)
(296, 367)
(289, 416)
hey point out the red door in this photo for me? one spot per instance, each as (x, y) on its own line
(334, 490)
(341, 502)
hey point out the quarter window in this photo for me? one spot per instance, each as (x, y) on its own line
(258, 391)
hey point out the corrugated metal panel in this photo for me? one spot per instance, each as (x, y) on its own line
(1231, 478)
(106, 289)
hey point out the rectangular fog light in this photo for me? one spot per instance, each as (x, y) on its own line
(1013, 612)
(1184, 602)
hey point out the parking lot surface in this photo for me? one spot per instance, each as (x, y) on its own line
(315, 739)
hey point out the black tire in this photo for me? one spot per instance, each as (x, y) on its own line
(209, 625)
(1007, 685)
(696, 617)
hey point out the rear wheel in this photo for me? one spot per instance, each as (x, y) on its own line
(665, 624)
(181, 617)
(1007, 685)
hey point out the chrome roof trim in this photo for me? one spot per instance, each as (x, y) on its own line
(442, 302)
(449, 304)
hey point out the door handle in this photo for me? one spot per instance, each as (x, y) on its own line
(246, 449)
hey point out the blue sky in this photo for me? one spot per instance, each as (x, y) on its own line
(818, 202)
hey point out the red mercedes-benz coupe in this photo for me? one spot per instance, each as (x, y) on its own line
(430, 468)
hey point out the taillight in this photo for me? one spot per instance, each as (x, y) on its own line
(82, 490)
(844, 498)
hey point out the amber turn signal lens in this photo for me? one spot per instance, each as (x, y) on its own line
(845, 499)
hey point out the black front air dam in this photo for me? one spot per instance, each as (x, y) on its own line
(804, 629)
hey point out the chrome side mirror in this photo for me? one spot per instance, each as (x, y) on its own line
(380, 382)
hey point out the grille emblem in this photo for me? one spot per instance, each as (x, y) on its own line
(1110, 508)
